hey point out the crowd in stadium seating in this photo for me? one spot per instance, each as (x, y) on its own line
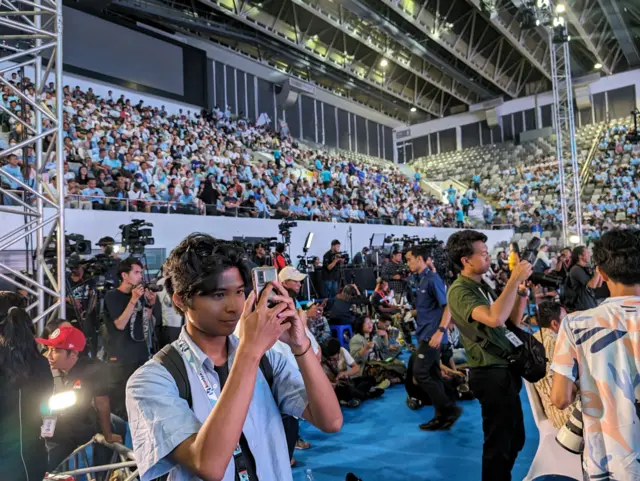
(125, 156)
(616, 179)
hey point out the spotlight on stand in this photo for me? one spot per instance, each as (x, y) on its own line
(560, 33)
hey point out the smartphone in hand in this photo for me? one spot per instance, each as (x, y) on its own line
(261, 276)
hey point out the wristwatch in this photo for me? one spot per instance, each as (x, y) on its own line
(442, 329)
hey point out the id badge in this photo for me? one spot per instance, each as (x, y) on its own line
(243, 476)
(513, 339)
(48, 426)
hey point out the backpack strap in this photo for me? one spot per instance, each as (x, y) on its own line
(172, 361)
(267, 370)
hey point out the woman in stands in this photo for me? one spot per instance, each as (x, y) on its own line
(26, 383)
(371, 351)
(83, 177)
(514, 255)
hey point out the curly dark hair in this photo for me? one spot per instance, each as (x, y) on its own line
(617, 254)
(193, 268)
(460, 245)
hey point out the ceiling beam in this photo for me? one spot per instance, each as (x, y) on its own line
(615, 16)
(529, 43)
(449, 85)
(424, 104)
(589, 21)
(427, 23)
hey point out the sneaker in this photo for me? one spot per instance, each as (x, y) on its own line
(384, 384)
(351, 403)
(302, 444)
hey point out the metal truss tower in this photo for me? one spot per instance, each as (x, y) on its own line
(31, 46)
(566, 149)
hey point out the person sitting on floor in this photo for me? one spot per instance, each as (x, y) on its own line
(374, 355)
(350, 387)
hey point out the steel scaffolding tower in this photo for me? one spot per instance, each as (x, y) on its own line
(564, 122)
(31, 45)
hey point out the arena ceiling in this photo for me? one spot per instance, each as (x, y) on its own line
(434, 56)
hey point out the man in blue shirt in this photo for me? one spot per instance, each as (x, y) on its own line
(432, 320)
(206, 280)
(12, 168)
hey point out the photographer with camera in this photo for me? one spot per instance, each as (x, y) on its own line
(485, 320)
(332, 261)
(395, 272)
(128, 317)
(597, 356)
(261, 255)
(582, 280)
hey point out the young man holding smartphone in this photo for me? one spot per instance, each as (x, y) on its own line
(234, 425)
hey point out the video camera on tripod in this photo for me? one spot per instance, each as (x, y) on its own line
(137, 235)
(284, 229)
(73, 244)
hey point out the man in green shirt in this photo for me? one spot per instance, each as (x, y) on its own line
(475, 308)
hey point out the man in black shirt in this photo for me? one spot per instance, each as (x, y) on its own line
(579, 295)
(331, 263)
(261, 258)
(129, 322)
(91, 413)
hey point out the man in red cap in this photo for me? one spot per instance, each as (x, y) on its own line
(91, 412)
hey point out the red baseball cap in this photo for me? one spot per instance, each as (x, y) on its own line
(65, 337)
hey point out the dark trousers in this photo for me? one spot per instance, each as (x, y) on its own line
(429, 378)
(291, 431)
(331, 289)
(498, 391)
(120, 374)
(355, 388)
(59, 450)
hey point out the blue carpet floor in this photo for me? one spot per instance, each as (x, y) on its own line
(380, 441)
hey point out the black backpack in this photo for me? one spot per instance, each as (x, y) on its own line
(172, 361)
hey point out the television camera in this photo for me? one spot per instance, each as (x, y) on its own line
(137, 235)
(73, 244)
(434, 246)
(540, 278)
(284, 229)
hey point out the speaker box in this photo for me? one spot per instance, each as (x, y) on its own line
(583, 99)
(492, 118)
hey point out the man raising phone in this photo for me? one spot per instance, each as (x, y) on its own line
(233, 427)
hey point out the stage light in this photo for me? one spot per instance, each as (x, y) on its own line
(597, 66)
(558, 22)
(413, 109)
(384, 62)
(560, 8)
(574, 239)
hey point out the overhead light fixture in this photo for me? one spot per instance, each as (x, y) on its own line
(384, 62)
(560, 8)
(413, 109)
(558, 22)
(574, 239)
(597, 66)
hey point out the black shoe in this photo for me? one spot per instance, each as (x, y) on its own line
(375, 392)
(452, 416)
(436, 424)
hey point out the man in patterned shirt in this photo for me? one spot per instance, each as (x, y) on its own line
(550, 315)
(600, 348)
